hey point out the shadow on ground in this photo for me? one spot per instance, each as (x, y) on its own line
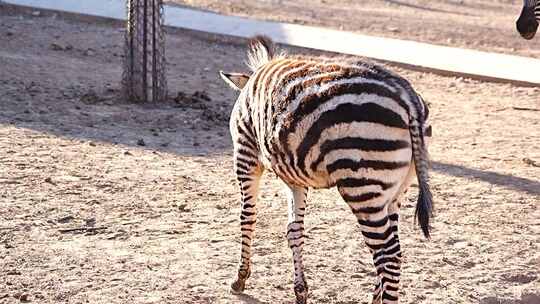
(405, 4)
(504, 180)
(525, 299)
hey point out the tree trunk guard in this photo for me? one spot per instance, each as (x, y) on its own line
(143, 78)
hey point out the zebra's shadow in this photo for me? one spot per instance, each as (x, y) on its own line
(526, 298)
(504, 180)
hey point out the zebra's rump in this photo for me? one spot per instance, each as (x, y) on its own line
(344, 150)
(327, 119)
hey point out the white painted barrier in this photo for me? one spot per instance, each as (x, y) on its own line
(453, 60)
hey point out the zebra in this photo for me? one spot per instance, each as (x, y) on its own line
(527, 23)
(322, 123)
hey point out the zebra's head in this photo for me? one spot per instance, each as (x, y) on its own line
(527, 24)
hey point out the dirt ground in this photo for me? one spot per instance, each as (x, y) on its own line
(107, 202)
(487, 25)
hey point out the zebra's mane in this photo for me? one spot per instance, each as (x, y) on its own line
(261, 51)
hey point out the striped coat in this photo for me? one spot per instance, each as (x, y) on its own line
(321, 123)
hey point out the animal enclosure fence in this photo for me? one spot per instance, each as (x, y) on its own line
(143, 77)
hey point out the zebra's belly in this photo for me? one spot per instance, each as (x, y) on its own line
(319, 180)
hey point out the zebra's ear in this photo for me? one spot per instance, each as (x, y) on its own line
(236, 80)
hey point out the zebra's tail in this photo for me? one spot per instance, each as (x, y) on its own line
(424, 205)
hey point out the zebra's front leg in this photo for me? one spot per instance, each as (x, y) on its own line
(295, 238)
(248, 173)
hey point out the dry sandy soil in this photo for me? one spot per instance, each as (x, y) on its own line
(487, 25)
(102, 201)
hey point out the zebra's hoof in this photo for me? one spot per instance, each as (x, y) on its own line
(301, 294)
(301, 299)
(238, 286)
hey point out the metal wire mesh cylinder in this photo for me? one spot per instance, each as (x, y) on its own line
(144, 61)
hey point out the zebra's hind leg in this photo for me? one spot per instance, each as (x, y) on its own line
(379, 229)
(295, 238)
(388, 274)
(248, 172)
(388, 259)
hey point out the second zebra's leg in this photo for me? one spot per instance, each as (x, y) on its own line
(248, 172)
(295, 237)
(379, 229)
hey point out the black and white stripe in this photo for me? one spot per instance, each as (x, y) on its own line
(527, 24)
(320, 123)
